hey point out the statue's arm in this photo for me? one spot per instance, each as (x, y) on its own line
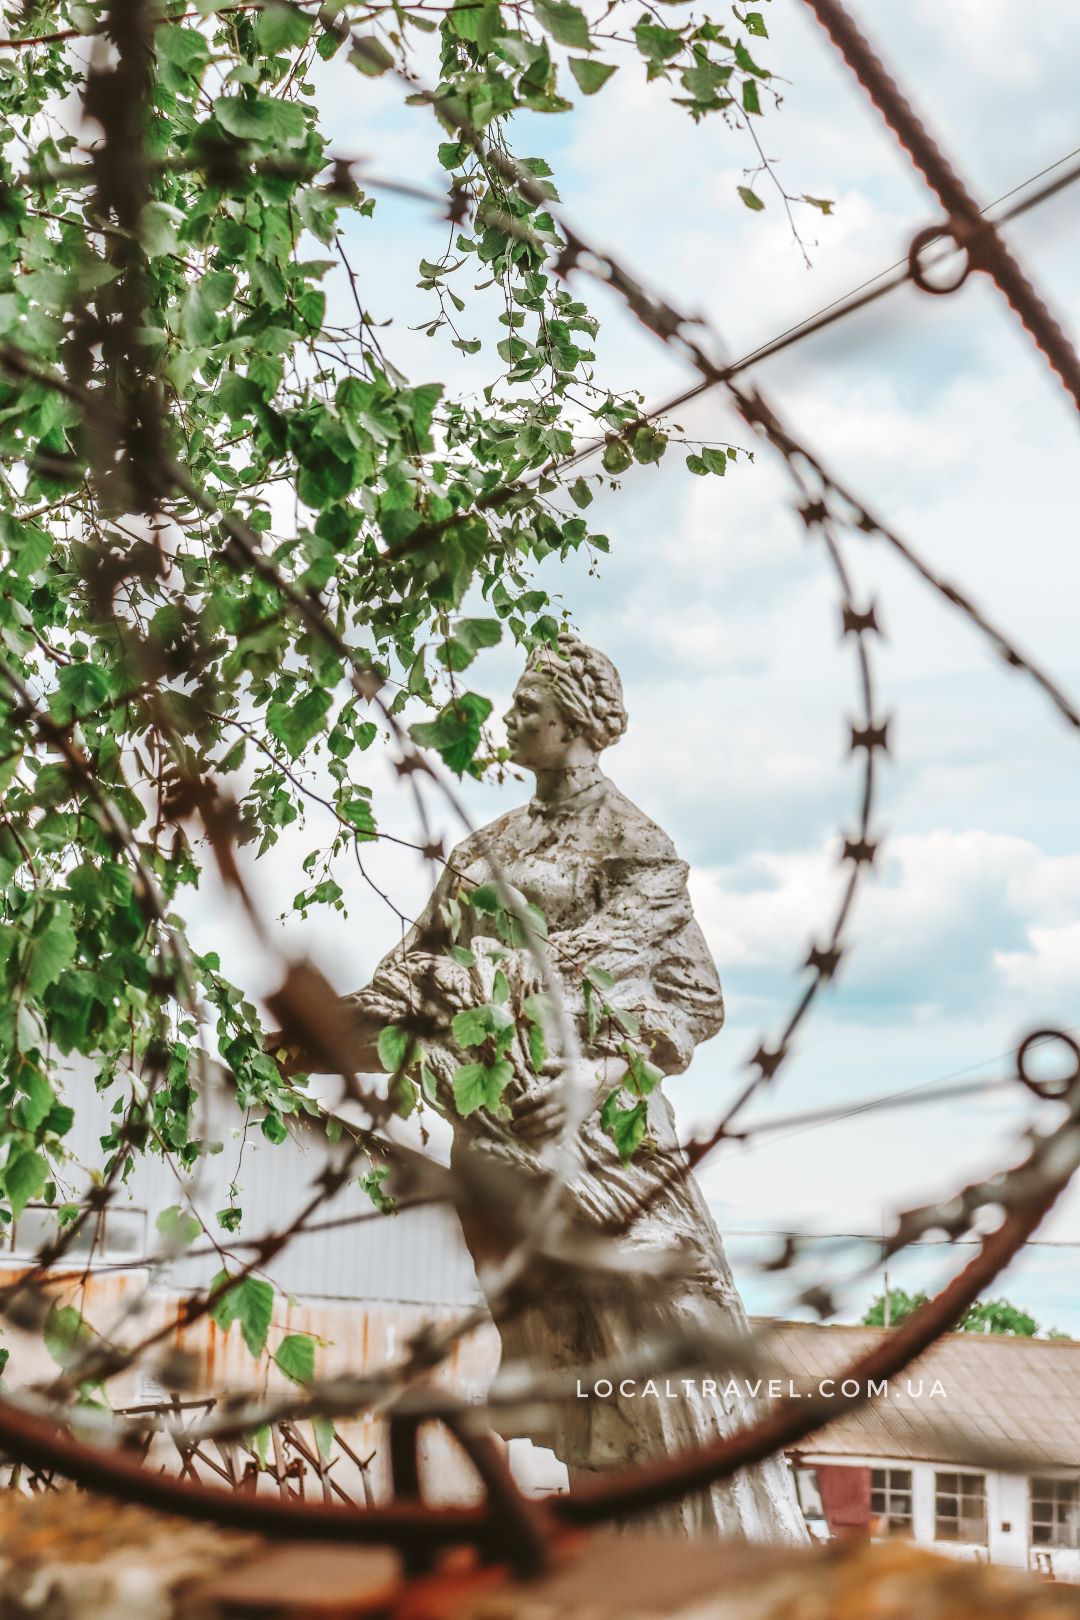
(645, 935)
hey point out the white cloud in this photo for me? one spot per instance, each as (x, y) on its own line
(1048, 972)
(932, 933)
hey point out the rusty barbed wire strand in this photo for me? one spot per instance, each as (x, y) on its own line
(985, 248)
(663, 1481)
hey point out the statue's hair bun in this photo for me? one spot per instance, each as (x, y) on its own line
(588, 687)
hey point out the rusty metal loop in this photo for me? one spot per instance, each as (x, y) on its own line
(917, 268)
(1062, 1086)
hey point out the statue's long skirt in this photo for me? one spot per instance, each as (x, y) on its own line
(586, 1326)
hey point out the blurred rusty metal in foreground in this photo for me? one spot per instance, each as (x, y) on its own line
(67, 1556)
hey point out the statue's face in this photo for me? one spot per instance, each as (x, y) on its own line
(537, 730)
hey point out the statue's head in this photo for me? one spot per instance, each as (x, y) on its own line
(567, 707)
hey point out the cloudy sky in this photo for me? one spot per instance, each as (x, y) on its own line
(723, 619)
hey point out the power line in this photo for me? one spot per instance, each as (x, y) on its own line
(875, 1238)
(798, 1124)
(901, 264)
(846, 304)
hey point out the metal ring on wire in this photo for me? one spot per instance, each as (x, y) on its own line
(917, 269)
(1062, 1086)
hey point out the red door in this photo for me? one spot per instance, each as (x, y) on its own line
(845, 1498)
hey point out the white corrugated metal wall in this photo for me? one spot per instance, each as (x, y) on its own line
(417, 1256)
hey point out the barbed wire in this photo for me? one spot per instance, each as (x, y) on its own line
(831, 515)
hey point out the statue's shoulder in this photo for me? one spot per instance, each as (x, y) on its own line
(634, 835)
(473, 849)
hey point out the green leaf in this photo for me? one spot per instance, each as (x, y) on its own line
(751, 100)
(471, 1027)
(750, 198)
(358, 813)
(177, 1226)
(370, 55)
(35, 1106)
(590, 74)
(626, 1022)
(657, 44)
(223, 1310)
(251, 1303)
(263, 119)
(24, 1179)
(281, 28)
(184, 49)
(52, 949)
(648, 444)
(254, 1308)
(455, 733)
(754, 23)
(478, 1085)
(747, 63)
(393, 1047)
(295, 724)
(481, 23)
(478, 633)
(295, 1356)
(644, 1076)
(470, 635)
(274, 1129)
(617, 456)
(372, 1185)
(82, 688)
(60, 1120)
(625, 1126)
(825, 205)
(203, 302)
(323, 1428)
(404, 1096)
(563, 22)
(66, 1335)
(157, 229)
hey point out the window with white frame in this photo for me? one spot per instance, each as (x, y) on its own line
(960, 1508)
(1055, 1512)
(890, 1500)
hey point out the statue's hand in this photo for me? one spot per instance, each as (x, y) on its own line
(574, 1090)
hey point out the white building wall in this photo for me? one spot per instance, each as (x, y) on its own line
(416, 1256)
(1008, 1514)
(1007, 1497)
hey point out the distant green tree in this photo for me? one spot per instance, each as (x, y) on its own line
(998, 1316)
(985, 1316)
(901, 1306)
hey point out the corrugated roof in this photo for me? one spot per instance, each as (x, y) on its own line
(1006, 1400)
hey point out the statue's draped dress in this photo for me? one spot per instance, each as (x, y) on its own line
(614, 894)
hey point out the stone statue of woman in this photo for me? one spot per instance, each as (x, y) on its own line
(614, 896)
